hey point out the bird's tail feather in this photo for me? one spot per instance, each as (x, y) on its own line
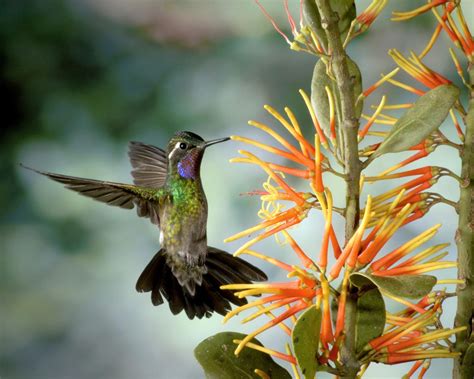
(222, 268)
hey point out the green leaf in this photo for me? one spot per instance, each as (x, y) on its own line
(409, 286)
(305, 337)
(345, 10)
(319, 98)
(426, 115)
(370, 317)
(312, 19)
(216, 356)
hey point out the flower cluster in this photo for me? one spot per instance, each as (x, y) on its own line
(331, 278)
(312, 281)
(413, 334)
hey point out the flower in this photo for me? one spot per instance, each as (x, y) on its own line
(363, 21)
(313, 163)
(460, 36)
(401, 16)
(409, 333)
(297, 294)
(368, 16)
(413, 335)
(304, 38)
(418, 70)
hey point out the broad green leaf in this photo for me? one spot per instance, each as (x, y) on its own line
(216, 356)
(305, 337)
(409, 286)
(319, 98)
(370, 317)
(426, 115)
(345, 10)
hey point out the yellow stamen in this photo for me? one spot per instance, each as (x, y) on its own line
(418, 269)
(387, 117)
(249, 231)
(438, 257)
(292, 318)
(401, 61)
(275, 177)
(268, 259)
(280, 139)
(439, 334)
(377, 84)
(382, 222)
(361, 182)
(454, 28)
(404, 302)
(395, 106)
(457, 65)
(462, 21)
(268, 325)
(450, 281)
(261, 348)
(378, 121)
(281, 325)
(386, 232)
(266, 147)
(406, 87)
(377, 134)
(431, 42)
(278, 228)
(257, 291)
(240, 286)
(297, 128)
(418, 322)
(296, 374)
(242, 308)
(425, 254)
(307, 101)
(287, 126)
(267, 309)
(447, 28)
(372, 119)
(419, 239)
(402, 16)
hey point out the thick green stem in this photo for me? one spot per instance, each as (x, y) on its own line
(352, 164)
(465, 244)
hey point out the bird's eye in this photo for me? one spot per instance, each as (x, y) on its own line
(183, 146)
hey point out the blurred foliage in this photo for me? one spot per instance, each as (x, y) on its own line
(77, 86)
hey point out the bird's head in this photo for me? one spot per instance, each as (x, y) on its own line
(185, 151)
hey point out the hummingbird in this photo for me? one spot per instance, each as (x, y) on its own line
(167, 189)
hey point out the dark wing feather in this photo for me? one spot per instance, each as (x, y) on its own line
(149, 163)
(235, 264)
(121, 195)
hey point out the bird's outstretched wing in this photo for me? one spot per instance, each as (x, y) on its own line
(146, 200)
(149, 163)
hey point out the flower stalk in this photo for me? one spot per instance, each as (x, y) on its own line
(352, 164)
(465, 245)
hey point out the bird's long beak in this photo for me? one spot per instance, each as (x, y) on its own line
(214, 141)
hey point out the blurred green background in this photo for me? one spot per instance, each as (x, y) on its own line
(82, 78)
